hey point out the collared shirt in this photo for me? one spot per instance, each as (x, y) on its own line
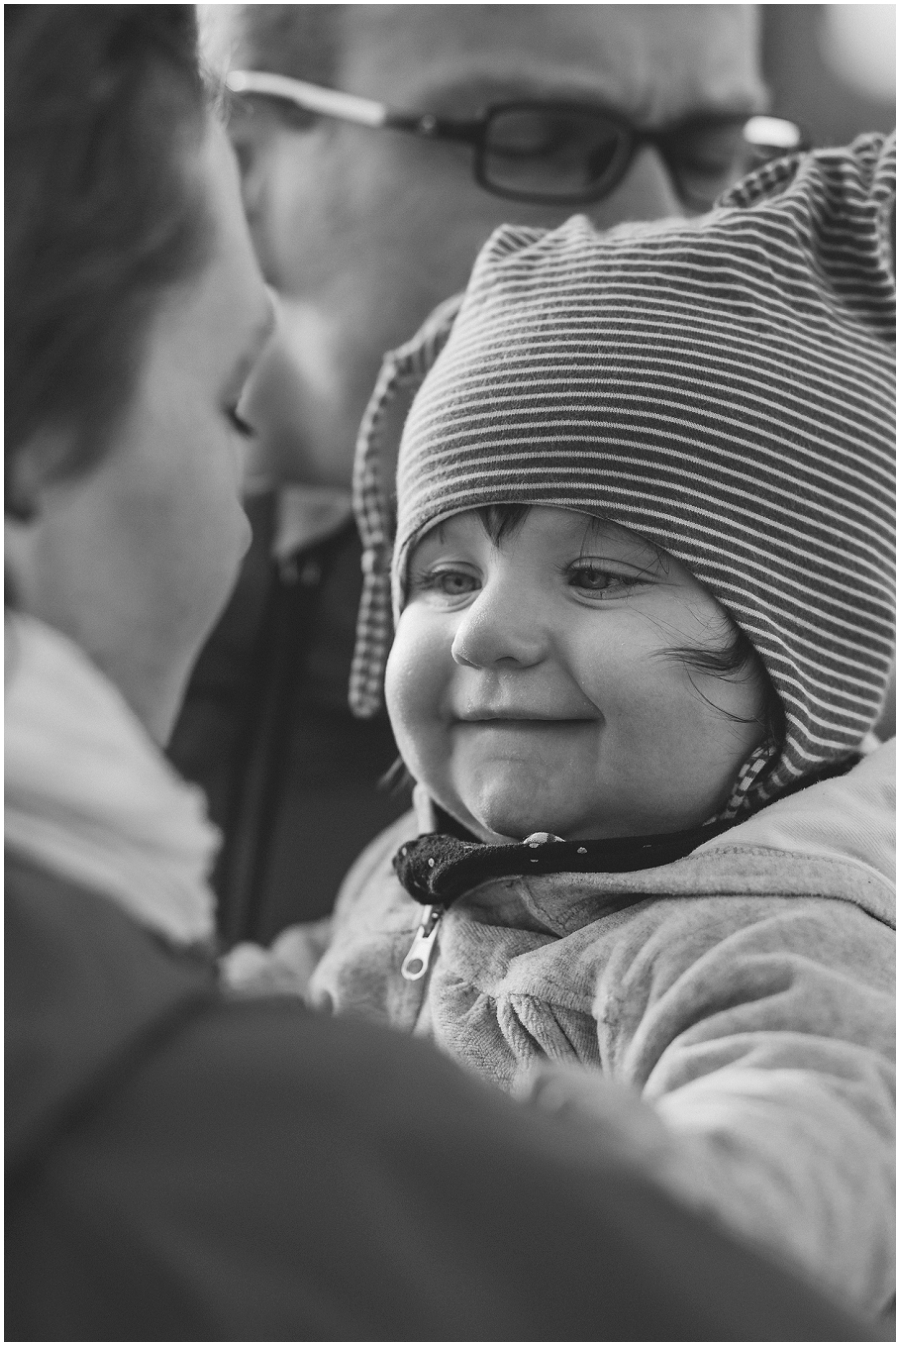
(305, 516)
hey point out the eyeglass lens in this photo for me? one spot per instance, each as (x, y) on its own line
(560, 153)
(572, 154)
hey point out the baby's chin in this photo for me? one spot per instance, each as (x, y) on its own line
(500, 822)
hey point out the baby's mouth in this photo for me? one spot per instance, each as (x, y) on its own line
(520, 718)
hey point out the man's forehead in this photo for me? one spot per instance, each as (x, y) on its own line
(650, 61)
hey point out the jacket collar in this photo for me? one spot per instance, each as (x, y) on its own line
(89, 796)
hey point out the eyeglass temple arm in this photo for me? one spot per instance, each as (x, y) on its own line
(775, 133)
(310, 97)
(348, 106)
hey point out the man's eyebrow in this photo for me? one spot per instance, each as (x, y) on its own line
(479, 89)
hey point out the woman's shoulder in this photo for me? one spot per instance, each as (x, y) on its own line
(86, 985)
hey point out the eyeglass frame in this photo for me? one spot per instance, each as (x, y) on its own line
(766, 134)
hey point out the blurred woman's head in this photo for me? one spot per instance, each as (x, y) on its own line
(135, 311)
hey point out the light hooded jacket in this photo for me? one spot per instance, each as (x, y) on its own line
(744, 992)
(183, 1165)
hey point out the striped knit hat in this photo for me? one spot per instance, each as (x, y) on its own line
(722, 386)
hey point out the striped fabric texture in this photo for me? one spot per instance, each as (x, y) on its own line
(722, 386)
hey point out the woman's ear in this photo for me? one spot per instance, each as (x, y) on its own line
(30, 470)
(44, 512)
(21, 531)
(17, 506)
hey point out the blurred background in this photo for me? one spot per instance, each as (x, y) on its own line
(831, 68)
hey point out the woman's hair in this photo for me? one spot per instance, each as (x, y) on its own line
(104, 104)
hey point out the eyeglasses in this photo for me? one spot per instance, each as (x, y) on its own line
(556, 153)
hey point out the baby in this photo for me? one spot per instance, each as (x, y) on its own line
(641, 577)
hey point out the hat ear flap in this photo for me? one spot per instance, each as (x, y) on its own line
(402, 372)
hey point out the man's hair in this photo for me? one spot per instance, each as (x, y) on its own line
(104, 104)
(299, 40)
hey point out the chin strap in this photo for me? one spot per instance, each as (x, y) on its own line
(436, 869)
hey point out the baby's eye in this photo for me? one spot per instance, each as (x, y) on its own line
(595, 578)
(450, 583)
(454, 582)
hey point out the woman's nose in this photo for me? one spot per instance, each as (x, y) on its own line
(502, 626)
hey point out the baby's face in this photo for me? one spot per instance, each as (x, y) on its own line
(530, 688)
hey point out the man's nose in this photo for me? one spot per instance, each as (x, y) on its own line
(647, 192)
(501, 626)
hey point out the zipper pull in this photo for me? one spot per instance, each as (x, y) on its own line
(415, 964)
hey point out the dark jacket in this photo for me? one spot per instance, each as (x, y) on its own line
(185, 1167)
(266, 730)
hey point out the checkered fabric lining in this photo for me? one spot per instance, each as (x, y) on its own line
(404, 368)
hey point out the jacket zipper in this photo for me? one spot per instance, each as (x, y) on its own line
(415, 964)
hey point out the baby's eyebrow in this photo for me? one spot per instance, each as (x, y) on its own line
(647, 555)
(435, 534)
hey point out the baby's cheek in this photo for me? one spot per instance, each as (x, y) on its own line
(415, 685)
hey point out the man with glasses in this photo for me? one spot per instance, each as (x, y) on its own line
(380, 145)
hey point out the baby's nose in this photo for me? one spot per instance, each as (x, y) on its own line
(500, 626)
